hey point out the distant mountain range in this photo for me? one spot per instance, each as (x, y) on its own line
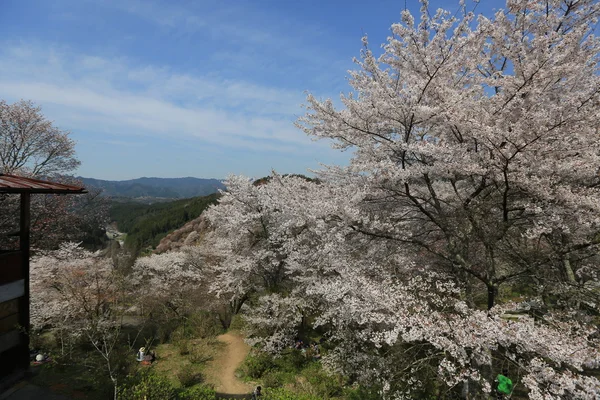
(166, 188)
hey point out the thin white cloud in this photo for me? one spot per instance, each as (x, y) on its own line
(151, 100)
(121, 143)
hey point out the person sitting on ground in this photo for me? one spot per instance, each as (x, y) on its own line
(256, 393)
(147, 359)
(41, 359)
(316, 353)
(141, 353)
(304, 349)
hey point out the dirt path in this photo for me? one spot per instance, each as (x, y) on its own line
(221, 371)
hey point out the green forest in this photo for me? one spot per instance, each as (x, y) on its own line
(146, 224)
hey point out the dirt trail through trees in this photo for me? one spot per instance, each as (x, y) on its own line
(221, 371)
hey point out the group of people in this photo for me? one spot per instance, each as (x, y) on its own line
(306, 349)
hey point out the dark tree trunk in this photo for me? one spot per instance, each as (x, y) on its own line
(491, 295)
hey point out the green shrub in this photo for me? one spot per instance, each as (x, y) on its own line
(362, 393)
(276, 378)
(284, 394)
(256, 365)
(237, 323)
(293, 361)
(203, 324)
(184, 346)
(145, 385)
(198, 393)
(200, 354)
(188, 377)
(178, 333)
(324, 384)
(166, 329)
(259, 363)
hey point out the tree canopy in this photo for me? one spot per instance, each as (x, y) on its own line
(475, 169)
(30, 144)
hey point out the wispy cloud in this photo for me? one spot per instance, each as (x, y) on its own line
(122, 143)
(253, 38)
(92, 88)
(208, 85)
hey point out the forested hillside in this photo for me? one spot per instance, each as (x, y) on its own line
(147, 224)
(172, 188)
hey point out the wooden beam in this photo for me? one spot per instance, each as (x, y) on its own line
(9, 307)
(25, 222)
(9, 323)
(13, 290)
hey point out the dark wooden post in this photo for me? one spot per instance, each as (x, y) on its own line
(25, 222)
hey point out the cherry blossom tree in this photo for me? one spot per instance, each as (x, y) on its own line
(30, 145)
(177, 284)
(476, 138)
(392, 320)
(474, 168)
(168, 278)
(253, 257)
(78, 294)
(475, 152)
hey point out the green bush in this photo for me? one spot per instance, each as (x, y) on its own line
(166, 329)
(361, 393)
(276, 378)
(145, 385)
(325, 385)
(203, 324)
(188, 378)
(199, 354)
(284, 394)
(293, 361)
(184, 346)
(256, 365)
(237, 323)
(198, 393)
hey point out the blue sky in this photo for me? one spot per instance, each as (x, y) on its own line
(188, 88)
